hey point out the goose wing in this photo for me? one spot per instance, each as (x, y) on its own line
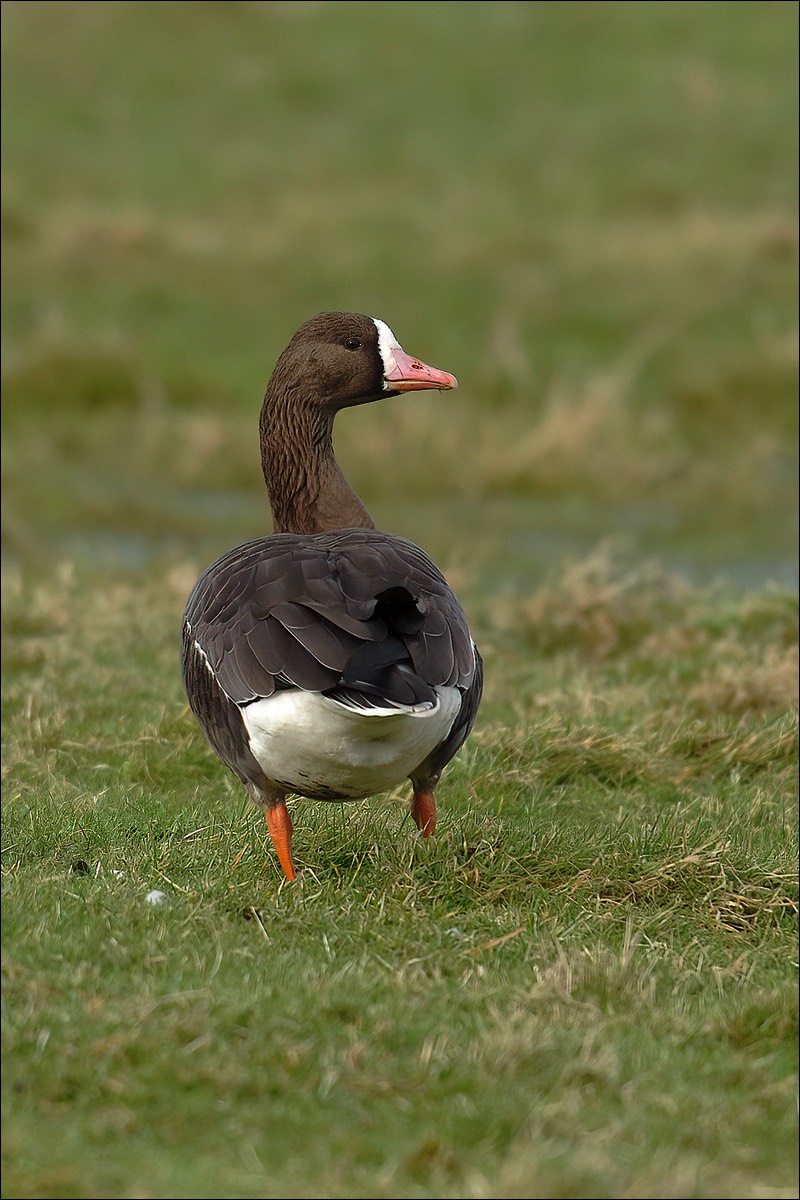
(356, 614)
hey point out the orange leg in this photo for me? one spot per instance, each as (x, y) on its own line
(423, 810)
(279, 824)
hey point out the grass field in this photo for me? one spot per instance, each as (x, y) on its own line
(585, 984)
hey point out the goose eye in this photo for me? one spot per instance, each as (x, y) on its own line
(353, 343)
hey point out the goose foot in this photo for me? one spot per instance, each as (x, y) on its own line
(279, 824)
(423, 810)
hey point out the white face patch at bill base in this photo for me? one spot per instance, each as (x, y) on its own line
(387, 344)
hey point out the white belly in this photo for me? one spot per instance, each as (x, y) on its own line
(316, 747)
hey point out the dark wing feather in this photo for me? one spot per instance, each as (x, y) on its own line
(271, 644)
(429, 771)
(219, 718)
(433, 656)
(371, 630)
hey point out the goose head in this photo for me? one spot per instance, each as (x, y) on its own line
(339, 360)
(335, 360)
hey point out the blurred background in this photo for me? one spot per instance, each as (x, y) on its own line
(586, 211)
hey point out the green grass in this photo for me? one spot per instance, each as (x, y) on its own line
(585, 984)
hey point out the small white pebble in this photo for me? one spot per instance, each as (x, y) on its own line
(118, 874)
(156, 897)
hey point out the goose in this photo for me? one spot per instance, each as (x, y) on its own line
(329, 660)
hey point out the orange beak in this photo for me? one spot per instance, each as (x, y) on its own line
(412, 375)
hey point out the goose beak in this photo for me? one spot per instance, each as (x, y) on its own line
(412, 375)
